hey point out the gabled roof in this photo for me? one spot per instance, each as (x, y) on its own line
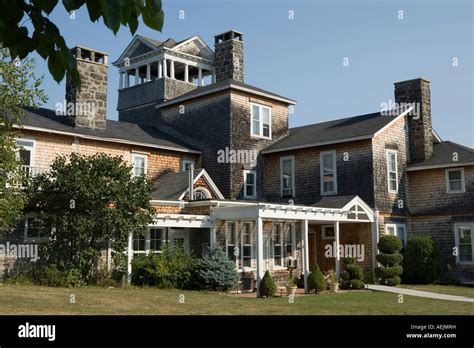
(175, 186)
(337, 202)
(443, 154)
(46, 120)
(223, 85)
(335, 131)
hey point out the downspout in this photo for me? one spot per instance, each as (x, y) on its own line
(191, 182)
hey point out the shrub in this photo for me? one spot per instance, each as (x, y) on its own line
(73, 278)
(345, 275)
(389, 259)
(316, 280)
(48, 276)
(19, 278)
(389, 273)
(171, 268)
(422, 262)
(355, 272)
(216, 272)
(368, 277)
(348, 261)
(267, 286)
(389, 244)
(356, 284)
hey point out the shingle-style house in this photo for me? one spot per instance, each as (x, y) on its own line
(229, 171)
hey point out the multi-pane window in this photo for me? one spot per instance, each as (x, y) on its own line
(455, 180)
(250, 184)
(200, 194)
(25, 153)
(277, 245)
(287, 176)
(232, 248)
(328, 172)
(178, 243)
(155, 239)
(239, 245)
(261, 121)
(392, 172)
(186, 165)
(398, 230)
(289, 240)
(246, 244)
(138, 242)
(328, 232)
(139, 164)
(33, 230)
(463, 239)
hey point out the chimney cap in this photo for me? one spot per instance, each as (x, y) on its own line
(417, 79)
(229, 35)
(89, 54)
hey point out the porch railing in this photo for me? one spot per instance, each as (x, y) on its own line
(30, 172)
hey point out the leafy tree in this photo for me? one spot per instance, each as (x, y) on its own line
(19, 88)
(422, 261)
(46, 38)
(216, 271)
(86, 204)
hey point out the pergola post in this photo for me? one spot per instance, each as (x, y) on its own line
(148, 72)
(260, 270)
(338, 255)
(121, 80)
(129, 257)
(186, 73)
(200, 77)
(127, 79)
(137, 76)
(172, 69)
(304, 231)
(375, 238)
(165, 68)
(160, 69)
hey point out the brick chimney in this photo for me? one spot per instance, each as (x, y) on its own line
(420, 131)
(229, 56)
(90, 103)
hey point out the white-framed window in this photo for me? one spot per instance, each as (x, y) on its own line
(178, 242)
(201, 193)
(392, 171)
(463, 237)
(455, 180)
(33, 230)
(328, 232)
(139, 162)
(155, 239)
(287, 176)
(138, 243)
(277, 245)
(186, 165)
(152, 241)
(328, 172)
(261, 121)
(239, 243)
(26, 154)
(399, 230)
(250, 184)
(290, 240)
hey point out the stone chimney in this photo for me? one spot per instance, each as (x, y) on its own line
(89, 104)
(420, 131)
(229, 56)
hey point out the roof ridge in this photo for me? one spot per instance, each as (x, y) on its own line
(459, 145)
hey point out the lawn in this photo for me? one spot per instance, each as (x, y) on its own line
(467, 291)
(91, 300)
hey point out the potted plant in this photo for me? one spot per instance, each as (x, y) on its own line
(333, 283)
(291, 285)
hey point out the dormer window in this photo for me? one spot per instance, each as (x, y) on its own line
(261, 125)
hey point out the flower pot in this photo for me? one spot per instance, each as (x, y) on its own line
(291, 290)
(334, 287)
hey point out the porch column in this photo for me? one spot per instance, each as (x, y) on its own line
(200, 77)
(121, 80)
(375, 238)
(127, 79)
(186, 73)
(165, 68)
(212, 236)
(137, 76)
(129, 257)
(338, 256)
(260, 270)
(160, 69)
(148, 72)
(213, 77)
(304, 231)
(172, 69)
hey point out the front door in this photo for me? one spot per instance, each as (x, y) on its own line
(312, 249)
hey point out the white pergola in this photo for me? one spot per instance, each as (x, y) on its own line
(355, 211)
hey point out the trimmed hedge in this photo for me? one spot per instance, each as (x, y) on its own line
(388, 272)
(316, 280)
(353, 276)
(422, 262)
(267, 286)
(389, 244)
(389, 259)
(394, 281)
(357, 284)
(345, 275)
(368, 277)
(355, 272)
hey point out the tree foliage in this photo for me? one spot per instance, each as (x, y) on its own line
(46, 38)
(216, 272)
(88, 204)
(19, 89)
(422, 261)
(389, 273)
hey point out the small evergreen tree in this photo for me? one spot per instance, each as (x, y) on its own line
(267, 286)
(422, 262)
(216, 272)
(390, 258)
(316, 280)
(353, 276)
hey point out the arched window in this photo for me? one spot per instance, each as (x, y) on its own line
(201, 193)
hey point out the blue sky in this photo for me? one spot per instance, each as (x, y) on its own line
(302, 58)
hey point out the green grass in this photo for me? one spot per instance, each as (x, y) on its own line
(467, 291)
(91, 300)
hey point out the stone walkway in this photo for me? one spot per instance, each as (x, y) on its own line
(419, 293)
